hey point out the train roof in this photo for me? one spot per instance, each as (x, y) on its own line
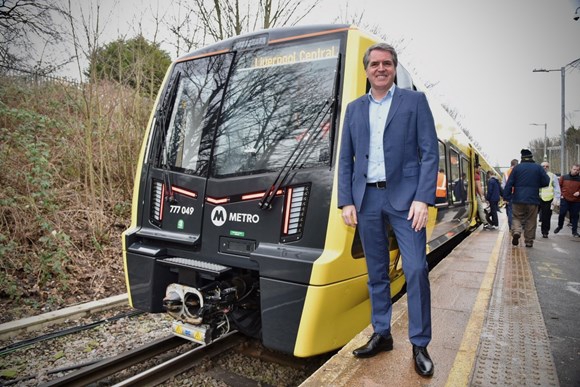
(264, 36)
(448, 127)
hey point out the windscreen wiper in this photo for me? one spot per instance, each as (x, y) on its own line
(307, 141)
(162, 123)
(297, 154)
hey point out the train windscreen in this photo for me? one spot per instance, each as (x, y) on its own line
(254, 109)
(195, 112)
(277, 100)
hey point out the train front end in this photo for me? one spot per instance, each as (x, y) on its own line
(234, 223)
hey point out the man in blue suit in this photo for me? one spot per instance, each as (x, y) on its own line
(387, 176)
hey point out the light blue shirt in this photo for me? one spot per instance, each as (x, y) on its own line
(378, 112)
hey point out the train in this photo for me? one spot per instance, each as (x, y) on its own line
(234, 223)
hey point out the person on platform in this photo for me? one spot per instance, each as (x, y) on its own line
(387, 175)
(548, 195)
(492, 196)
(508, 205)
(441, 191)
(570, 199)
(480, 198)
(523, 191)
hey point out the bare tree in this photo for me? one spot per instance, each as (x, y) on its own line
(204, 21)
(28, 32)
(189, 34)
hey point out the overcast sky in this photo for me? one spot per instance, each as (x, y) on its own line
(479, 54)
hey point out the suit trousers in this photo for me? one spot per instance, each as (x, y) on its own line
(526, 216)
(374, 217)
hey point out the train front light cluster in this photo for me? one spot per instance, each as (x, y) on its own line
(157, 195)
(294, 212)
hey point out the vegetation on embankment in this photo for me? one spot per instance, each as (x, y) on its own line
(67, 159)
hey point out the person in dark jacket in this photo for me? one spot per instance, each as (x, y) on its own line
(523, 191)
(492, 196)
(570, 201)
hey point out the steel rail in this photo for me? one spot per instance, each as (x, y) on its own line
(112, 365)
(67, 331)
(183, 362)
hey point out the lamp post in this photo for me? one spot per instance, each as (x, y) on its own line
(562, 71)
(545, 139)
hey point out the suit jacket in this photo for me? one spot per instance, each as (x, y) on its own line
(410, 148)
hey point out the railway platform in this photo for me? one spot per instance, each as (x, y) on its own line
(488, 326)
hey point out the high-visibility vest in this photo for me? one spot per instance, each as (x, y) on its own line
(547, 193)
(441, 185)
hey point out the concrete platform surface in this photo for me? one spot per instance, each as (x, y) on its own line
(487, 326)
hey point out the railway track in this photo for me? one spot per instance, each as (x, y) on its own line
(124, 369)
(152, 376)
(66, 331)
(129, 348)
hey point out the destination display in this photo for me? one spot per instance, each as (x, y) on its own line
(290, 55)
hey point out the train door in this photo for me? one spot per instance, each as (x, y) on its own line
(181, 149)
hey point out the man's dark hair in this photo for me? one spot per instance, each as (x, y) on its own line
(382, 47)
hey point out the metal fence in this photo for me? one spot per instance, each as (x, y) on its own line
(34, 77)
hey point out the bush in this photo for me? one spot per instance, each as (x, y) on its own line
(67, 161)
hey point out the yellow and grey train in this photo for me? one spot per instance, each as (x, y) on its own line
(234, 221)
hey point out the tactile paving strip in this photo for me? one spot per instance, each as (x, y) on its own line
(514, 349)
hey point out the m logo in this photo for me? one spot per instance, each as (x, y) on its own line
(219, 216)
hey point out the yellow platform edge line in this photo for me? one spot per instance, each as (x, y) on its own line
(465, 358)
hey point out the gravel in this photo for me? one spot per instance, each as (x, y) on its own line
(128, 333)
(97, 343)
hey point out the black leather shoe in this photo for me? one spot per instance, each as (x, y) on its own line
(423, 363)
(515, 239)
(376, 344)
(544, 235)
(557, 230)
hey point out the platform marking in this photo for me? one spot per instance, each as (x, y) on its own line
(465, 358)
(561, 250)
(574, 287)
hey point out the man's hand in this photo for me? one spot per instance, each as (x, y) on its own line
(349, 215)
(419, 213)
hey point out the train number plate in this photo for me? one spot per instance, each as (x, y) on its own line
(195, 333)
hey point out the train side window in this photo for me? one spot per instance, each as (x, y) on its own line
(458, 178)
(403, 78)
(483, 178)
(442, 186)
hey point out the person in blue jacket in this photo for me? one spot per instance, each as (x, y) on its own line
(492, 196)
(387, 175)
(526, 180)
